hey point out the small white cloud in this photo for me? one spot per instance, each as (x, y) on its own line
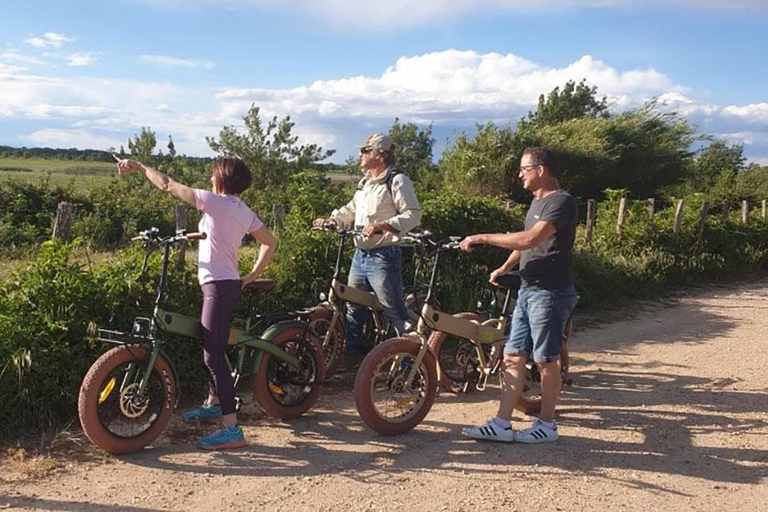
(81, 59)
(15, 56)
(166, 61)
(49, 40)
(165, 108)
(753, 113)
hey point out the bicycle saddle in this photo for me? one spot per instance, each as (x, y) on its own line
(511, 280)
(261, 284)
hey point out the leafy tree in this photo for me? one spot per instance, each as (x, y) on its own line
(171, 147)
(712, 161)
(272, 152)
(642, 150)
(482, 166)
(143, 144)
(572, 102)
(413, 149)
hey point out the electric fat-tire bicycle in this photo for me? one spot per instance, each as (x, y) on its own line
(128, 395)
(398, 381)
(328, 317)
(466, 365)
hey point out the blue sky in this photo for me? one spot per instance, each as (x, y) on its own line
(90, 74)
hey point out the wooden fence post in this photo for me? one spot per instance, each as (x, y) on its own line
(591, 212)
(726, 210)
(278, 214)
(745, 212)
(651, 212)
(762, 209)
(678, 217)
(622, 215)
(703, 217)
(63, 224)
(182, 220)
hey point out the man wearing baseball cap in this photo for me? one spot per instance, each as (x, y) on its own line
(386, 207)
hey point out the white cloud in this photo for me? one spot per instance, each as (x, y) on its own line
(81, 59)
(450, 86)
(752, 113)
(49, 40)
(166, 61)
(452, 89)
(16, 56)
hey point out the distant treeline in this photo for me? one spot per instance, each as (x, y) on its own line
(95, 155)
(83, 155)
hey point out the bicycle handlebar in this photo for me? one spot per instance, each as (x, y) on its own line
(153, 235)
(420, 237)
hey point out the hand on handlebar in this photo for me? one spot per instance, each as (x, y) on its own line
(324, 223)
(374, 228)
(468, 242)
(493, 278)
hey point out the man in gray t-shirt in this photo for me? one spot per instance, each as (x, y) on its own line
(544, 251)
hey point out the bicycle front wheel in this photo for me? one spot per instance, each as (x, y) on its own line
(530, 398)
(114, 415)
(384, 401)
(284, 391)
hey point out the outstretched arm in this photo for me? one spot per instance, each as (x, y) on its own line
(158, 179)
(519, 241)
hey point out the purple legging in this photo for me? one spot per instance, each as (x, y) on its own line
(219, 301)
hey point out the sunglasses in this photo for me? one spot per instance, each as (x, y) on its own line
(526, 168)
(365, 151)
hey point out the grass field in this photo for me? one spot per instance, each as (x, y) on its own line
(58, 172)
(74, 173)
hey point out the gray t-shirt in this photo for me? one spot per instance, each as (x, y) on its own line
(549, 266)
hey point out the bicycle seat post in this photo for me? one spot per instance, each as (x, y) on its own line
(249, 308)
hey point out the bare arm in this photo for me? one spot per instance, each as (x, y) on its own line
(158, 179)
(506, 267)
(519, 241)
(268, 245)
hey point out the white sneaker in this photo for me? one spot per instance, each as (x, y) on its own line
(538, 432)
(490, 431)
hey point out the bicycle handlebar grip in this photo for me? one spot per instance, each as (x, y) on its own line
(197, 236)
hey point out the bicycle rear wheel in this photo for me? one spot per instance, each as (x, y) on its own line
(530, 399)
(333, 344)
(287, 392)
(113, 415)
(455, 355)
(383, 400)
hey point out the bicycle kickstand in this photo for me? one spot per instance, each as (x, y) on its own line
(482, 382)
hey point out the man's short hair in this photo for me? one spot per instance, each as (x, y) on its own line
(542, 156)
(232, 175)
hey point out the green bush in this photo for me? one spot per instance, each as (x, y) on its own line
(46, 308)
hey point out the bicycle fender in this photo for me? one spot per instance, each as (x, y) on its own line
(175, 376)
(274, 329)
(270, 334)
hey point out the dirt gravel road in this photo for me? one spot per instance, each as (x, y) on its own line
(668, 411)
